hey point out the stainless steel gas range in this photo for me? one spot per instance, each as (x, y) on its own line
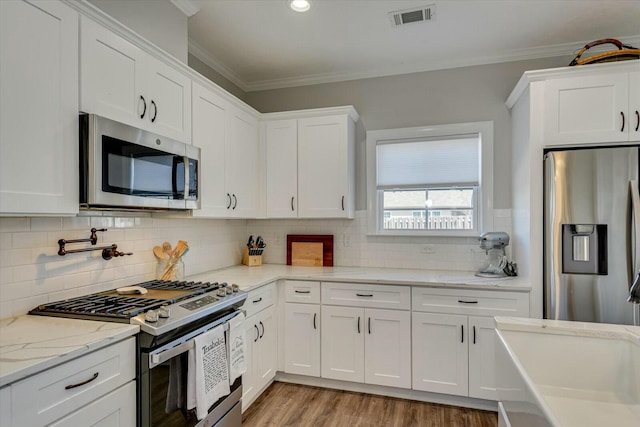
(170, 316)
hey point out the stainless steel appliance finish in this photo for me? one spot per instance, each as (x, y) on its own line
(591, 234)
(122, 167)
(170, 315)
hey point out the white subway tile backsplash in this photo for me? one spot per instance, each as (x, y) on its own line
(29, 240)
(102, 222)
(46, 224)
(11, 225)
(6, 242)
(76, 223)
(124, 222)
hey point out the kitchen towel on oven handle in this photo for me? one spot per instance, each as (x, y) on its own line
(208, 373)
(237, 347)
(623, 52)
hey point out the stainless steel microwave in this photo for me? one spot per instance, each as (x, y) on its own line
(122, 167)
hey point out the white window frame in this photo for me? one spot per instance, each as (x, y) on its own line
(484, 210)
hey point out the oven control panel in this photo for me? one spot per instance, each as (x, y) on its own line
(200, 302)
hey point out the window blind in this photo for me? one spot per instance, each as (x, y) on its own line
(449, 162)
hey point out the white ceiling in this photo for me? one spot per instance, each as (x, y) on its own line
(262, 44)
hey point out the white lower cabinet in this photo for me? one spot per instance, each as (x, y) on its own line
(440, 354)
(5, 406)
(262, 342)
(453, 353)
(366, 345)
(95, 389)
(302, 339)
(117, 408)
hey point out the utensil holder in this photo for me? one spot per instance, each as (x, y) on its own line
(170, 270)
(251, 260)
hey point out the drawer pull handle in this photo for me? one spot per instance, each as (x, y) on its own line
(302, 292)
(364, 295)
(255, 301)
(461, 301)
(69, 387)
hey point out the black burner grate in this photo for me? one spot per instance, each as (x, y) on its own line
(114, 307)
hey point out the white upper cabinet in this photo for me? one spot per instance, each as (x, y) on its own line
(241, 166)
(281, 158)
(209, 133)
(120, 81)
(326, 175)
(38, 108)
(592, 105)
(309, 163)
(228, 142)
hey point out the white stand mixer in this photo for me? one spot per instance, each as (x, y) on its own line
(494, 243)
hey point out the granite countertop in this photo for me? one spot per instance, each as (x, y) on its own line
(31, 344)
(249, 278)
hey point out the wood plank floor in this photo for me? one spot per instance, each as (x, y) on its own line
(284, 404)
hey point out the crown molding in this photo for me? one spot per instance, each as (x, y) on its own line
(203, 55)
(188, 7)
(564, 49)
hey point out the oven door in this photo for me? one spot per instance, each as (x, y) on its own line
(163, 387)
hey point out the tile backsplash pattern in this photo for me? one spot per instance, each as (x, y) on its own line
(353, 248)
(32, 273)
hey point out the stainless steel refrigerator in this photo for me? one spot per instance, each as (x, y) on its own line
(591, 233)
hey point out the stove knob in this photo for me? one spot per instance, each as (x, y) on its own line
(222, 293)
(229, 291)
(151, 316)
(224, 284)
(235, 287)
(164, 311)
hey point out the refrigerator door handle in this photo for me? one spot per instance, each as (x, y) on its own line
(635, 220)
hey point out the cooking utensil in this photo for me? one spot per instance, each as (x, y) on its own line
(166, 246)
(170, 270)
(159, 253)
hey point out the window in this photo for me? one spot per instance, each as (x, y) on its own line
(434, 180)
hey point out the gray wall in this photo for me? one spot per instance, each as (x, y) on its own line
(159, 21)
(457, 95)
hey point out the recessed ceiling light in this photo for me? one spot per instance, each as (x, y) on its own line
(300, 5)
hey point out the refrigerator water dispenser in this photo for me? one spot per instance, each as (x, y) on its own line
(584, 249)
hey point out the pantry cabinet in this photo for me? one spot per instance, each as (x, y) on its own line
(228, 142)
(38, 108)
(454, 337)
(137, 89)
(262, 343)
(310, 163)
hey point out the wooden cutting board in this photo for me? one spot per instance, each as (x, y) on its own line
(326, 240)
(307, 254)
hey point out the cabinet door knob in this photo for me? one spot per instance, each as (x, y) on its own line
(622, 114)
(155, 111)
(144, 103)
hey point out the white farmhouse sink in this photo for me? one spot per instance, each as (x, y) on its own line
(567, 374)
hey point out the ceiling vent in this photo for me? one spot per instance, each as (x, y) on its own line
(409, 16)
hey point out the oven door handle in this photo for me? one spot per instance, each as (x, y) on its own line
(186, 343)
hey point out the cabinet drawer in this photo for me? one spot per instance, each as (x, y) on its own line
(260, 298)
(302, 291)
(471, 302)
(54, 393)
(362, 295)
(117, 408)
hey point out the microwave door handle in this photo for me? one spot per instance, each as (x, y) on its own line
(635, 223)
(187, 174)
